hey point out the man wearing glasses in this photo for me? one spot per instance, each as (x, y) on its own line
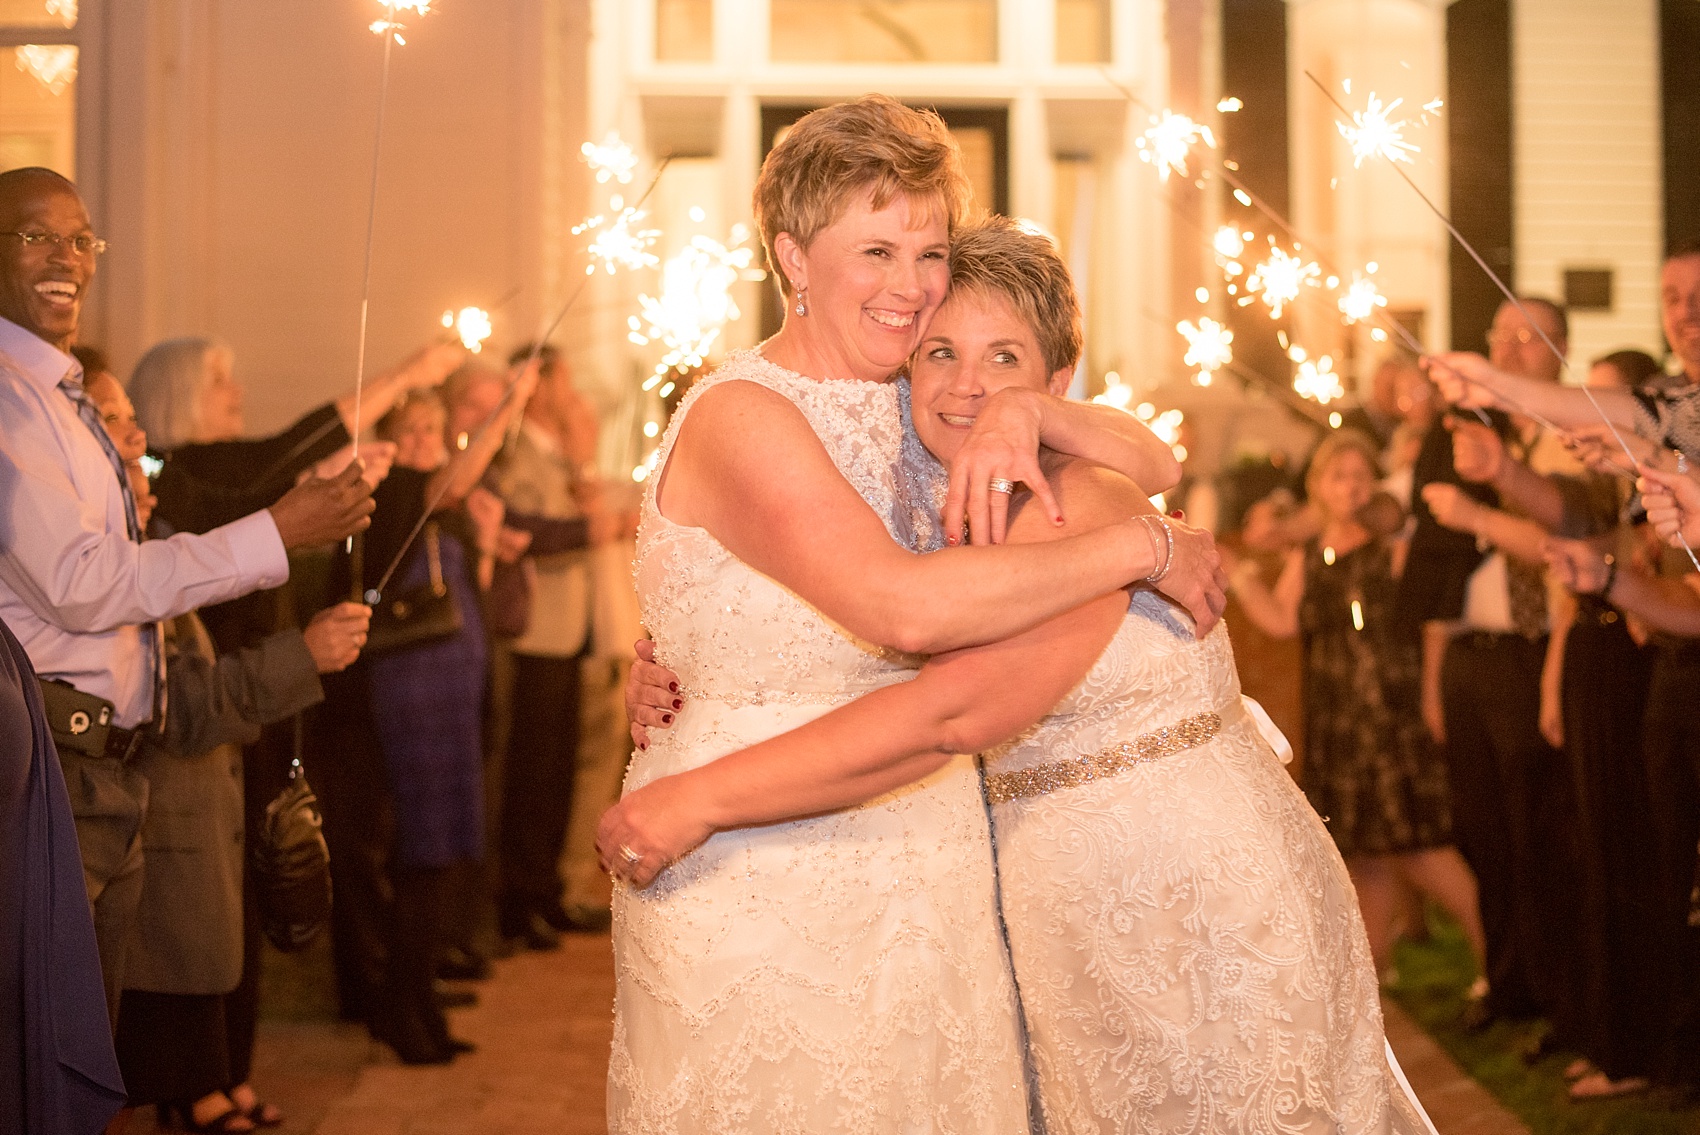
(80, 590)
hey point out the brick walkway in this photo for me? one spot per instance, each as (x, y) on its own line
(542, 1028)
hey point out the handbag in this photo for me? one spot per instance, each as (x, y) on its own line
(291, 863)
(419, 615)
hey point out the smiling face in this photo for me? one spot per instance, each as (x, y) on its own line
(1679, 302)
(42, 285)
(219, 412)
(977, 345)
(1344, 485)
(873, 279)
(117, 414)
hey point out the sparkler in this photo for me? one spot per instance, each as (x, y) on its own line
(612, 159)
(695, 303)
(1209, 346)
(1510, 297)
(391, 28)
(1374, 133)
(472, 324)
(1315, 378)
(1169, 140)
(1361, 298)
(1280, 278)
(1229, 241)
(617, 243)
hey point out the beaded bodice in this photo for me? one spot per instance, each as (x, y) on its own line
(1153, 674)
(736, 636)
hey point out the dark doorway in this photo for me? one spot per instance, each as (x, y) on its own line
(1478, 105)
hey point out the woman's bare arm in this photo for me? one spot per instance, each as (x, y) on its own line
(782, 507)
(960, 702)
(1274, 610)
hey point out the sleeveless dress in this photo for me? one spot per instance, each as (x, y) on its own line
(1371, 770)
(1186, 939)
(837, 974)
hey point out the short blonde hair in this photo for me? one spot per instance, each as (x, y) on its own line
(996, 256)
(838, 152)
(1336, 443)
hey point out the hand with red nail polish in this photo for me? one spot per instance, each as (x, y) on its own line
(650, 690)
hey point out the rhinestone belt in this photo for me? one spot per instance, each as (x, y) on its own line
(1187, 733)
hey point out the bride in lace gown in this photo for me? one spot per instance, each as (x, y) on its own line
(1185, 938)
(842, 972)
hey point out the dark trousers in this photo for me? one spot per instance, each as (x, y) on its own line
(108, 802)
(1497, 761)
(1673, 775)
(353, 796)
(537, 783)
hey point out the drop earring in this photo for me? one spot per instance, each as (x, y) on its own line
(802, 307)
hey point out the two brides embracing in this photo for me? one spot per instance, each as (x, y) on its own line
(810, 923)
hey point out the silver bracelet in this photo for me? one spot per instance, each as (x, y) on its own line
(1159, 574)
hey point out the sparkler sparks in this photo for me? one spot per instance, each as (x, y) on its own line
(1315, 378)
(390, 26)
(695, 303)
(472, 324)
(1209, 346)
(1361, 298)
(1375, 133)
(611, 159)
(1169, 140)
(618, 242)
(1229, 241)
(1280, 278)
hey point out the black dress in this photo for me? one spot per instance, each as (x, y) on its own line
(1370, 771)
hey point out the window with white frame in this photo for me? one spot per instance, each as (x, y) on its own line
(38, 84)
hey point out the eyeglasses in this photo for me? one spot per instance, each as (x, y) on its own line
(1522, 337)
(83, 244)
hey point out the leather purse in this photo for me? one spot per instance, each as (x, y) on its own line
(291, 863)
(419, 615)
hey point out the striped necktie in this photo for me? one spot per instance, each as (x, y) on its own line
(72, 387)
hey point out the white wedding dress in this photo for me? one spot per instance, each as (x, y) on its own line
(1186, 939)
(837, 974)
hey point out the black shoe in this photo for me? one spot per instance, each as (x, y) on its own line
(453, 996)
(533, 932)
(408, 1033)
(460, 963)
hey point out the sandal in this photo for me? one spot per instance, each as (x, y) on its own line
(259, 1113)
(1599, 1086)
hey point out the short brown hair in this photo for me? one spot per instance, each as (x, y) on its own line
(996, 256)
(1336, 443)
(838, 152)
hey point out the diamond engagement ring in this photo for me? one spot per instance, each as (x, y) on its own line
(1001, 485)
(629, 855)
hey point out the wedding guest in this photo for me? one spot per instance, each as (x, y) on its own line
(1370, 770)
(94, 633)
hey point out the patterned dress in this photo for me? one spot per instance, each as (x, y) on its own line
(837, 974)
(1370, 771)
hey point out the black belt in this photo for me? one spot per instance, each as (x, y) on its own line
(82, 723)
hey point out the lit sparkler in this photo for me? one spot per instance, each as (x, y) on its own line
(388, 25)
(695, 303)
(1375, 133)
(619, 243)
(1315, 378)
(472, 324)
(1361, 298)
(1229, 241)
(1209, 346)
(1169, 140)
(1280, 278)
(611, 159)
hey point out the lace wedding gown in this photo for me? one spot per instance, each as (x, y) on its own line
(837, 974)
(1185, 936)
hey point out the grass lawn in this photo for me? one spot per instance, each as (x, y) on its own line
(1432, 978)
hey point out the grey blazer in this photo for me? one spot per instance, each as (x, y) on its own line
(188, 931)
